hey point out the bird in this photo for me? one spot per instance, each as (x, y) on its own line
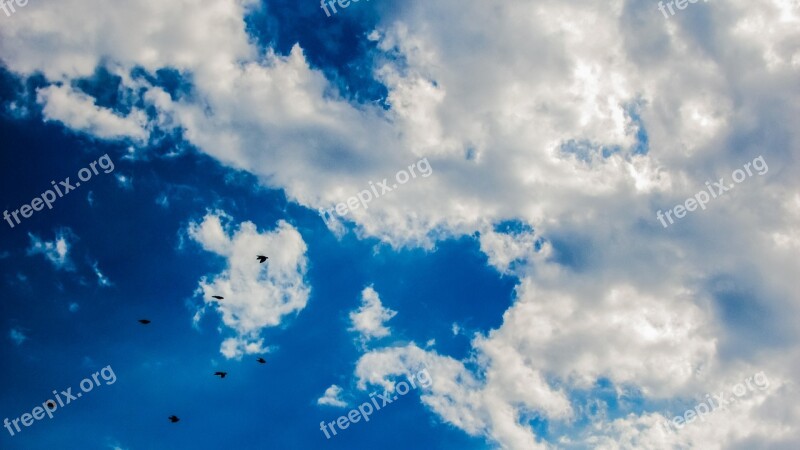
(261, 258)
(218, 297)
(261, 360)
(220, 374)
(174, 419)
(144, 321)
(51, 405)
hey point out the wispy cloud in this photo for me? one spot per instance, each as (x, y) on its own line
(55, 251)
(102, 280)
(17, 336)
(125, 182)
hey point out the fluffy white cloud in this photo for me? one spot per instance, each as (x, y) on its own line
(751, 421)
(655, 343)
(255, 296)
(370, 317)
(499, 400)
(462, 399)
(505, 250)
(534, 111)
(331, 397)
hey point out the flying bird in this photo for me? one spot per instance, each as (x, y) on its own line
(220, 374)
(261, 258)
(261, 360)
(173, 419)
(144, 321)
(218, 297)
(51, 405)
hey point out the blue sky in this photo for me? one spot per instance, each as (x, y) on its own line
(166, 367)
(527, 271)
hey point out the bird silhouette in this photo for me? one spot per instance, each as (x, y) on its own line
(220, 374)
(174, 419)
(218, 297)
(261, 258)
(261, 360)
(51, 405)
(144, 321)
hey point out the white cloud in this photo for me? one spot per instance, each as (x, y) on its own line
(55, 251)
(461, 399)
(657, 343)
(17, 336)
(125, 182)
(505, 249)
(369, 318)
(235, 347)
(78, 111)
(102, 280)
(494, 95)
(256, 295)
(751, 422)
(332, 397)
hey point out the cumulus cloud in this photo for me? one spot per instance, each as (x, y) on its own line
(460, 398)
(369, 318)
(55, 251)
(528, 114)
(332, 397)
(504, 250)
(656, 343)
(748, 422)
(506, 393)
(256, 296)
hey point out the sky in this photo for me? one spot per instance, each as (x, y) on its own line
(527, 224)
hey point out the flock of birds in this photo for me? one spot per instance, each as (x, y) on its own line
(174, 418)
